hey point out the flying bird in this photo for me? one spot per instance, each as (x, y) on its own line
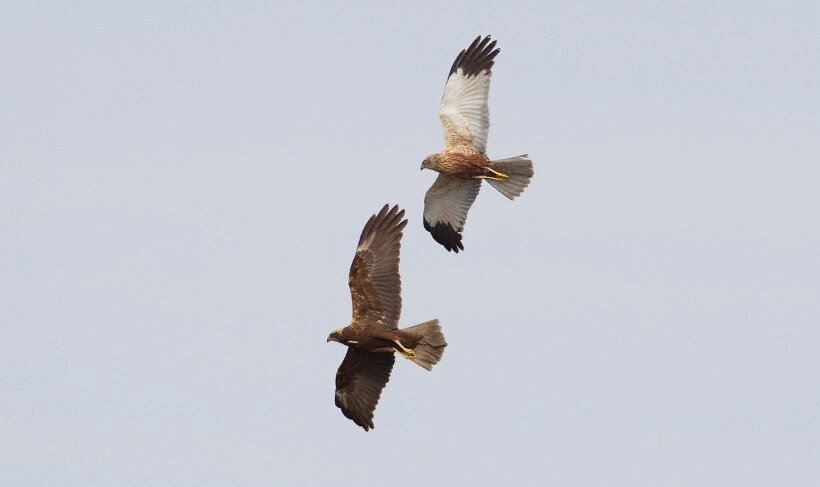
(464, 163)
(373, 335)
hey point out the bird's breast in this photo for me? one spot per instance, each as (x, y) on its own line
(465, 163)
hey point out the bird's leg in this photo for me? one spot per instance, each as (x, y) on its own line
(501, 176)
(495, 176)
(407, 353)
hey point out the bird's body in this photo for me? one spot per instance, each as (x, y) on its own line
(463, 163)
(373, 336)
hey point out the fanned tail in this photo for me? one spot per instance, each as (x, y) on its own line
(431, 346)
(519, 170)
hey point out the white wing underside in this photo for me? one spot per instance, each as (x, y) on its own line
(464, 113)
(448, 200)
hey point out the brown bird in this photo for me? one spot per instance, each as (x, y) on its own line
(463, 163)
(373, 335)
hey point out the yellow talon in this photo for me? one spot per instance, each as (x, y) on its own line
(407, 353)
(501, 175)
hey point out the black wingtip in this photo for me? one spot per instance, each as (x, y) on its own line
(446, 235)
(478, 57)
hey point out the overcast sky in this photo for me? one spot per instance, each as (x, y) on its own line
(182, 187)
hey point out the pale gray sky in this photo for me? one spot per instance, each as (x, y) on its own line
(182, 187)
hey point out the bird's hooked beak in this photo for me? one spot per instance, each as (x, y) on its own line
(334, 335)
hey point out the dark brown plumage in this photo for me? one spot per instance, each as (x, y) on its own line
(373, 335)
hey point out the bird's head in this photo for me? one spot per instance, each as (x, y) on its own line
(425, 164)
(335, 336)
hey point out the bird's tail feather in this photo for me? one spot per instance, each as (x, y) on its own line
(519, 170)
(430, 347)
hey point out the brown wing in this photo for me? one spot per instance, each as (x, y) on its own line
(359, 383)
(375, 285)
(445, 209)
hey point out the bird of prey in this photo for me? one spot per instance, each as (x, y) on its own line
(464, 163)
(373, 334)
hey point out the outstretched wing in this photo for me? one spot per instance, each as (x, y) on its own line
(464, 113)
(359, 383)
(375, 284)
(445, 209)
